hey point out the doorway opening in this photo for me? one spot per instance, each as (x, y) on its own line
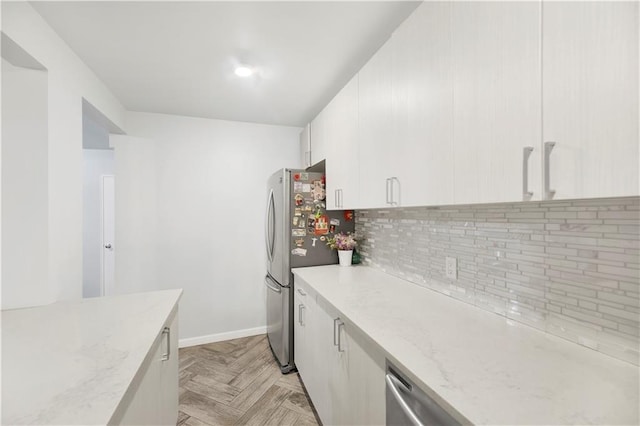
(98, 228)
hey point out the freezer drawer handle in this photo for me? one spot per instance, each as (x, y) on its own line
(392, 384)
(267, 281)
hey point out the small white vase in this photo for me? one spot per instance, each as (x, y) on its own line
(345, 257)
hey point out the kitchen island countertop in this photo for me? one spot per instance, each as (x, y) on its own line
(72, 362)
(483, 368)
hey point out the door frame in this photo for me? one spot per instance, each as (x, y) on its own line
(102, 236)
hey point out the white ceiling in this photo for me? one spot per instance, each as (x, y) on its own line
(178, 57)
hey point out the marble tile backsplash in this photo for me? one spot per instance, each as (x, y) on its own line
(569, 268)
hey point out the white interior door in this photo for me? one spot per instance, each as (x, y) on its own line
(108, 232)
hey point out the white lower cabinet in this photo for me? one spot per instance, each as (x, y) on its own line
(341, 370)
(153, 396)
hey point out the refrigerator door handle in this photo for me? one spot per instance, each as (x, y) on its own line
(269, 226)
(275, 288)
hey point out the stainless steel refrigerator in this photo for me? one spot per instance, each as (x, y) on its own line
(296, 231)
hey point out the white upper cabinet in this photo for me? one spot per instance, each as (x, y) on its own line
(590, 92)
(377, 144)
(496, 101)
(468, 100)
(423, 106)
(305, 146)
(318, 138)
(342, 148)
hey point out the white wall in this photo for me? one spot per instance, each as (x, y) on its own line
(24, 188)
(190, 203)
(70, 80)
(96, 162)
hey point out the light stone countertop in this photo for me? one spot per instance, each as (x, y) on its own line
(72, 362)
(491, 370)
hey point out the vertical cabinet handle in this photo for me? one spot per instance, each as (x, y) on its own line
(337, 341)
(340, 198)
(388, 191)
(335, 198)
(548, 192)
(300, 309)
(526, 153)
(167, 354)
(393, 201)
(307, 158)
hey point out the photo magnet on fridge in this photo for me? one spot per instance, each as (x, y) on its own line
(306, 187)
(299, 232)
(299, 242)
(297, 187)
(318, 190)
(299, 199)
(297, 212)
(322, 225)
(299, 252)
(335, 222)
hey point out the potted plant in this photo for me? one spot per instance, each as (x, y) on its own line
(344, 243)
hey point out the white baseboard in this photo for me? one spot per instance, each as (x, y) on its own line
(212, 338)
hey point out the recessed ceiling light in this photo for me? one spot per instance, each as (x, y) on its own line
(243, 71)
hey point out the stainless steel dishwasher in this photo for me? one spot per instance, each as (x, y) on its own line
(407, 404)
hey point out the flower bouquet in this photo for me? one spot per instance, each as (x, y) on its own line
(344, 243)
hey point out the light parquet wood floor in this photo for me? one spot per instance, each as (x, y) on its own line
(238, 382)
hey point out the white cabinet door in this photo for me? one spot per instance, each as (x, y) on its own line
(305, 146)
(302, 354)
(590, 97)
(356, 373)
(168, 361)
(341, 370)
(154, 400)
(318, 138)
(365, 371)
(311, 348)
(143, 406)
(423, 105)
(342, 153)
(496, 100)
(376, 144)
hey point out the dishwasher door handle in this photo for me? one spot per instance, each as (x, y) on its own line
(393, 385)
